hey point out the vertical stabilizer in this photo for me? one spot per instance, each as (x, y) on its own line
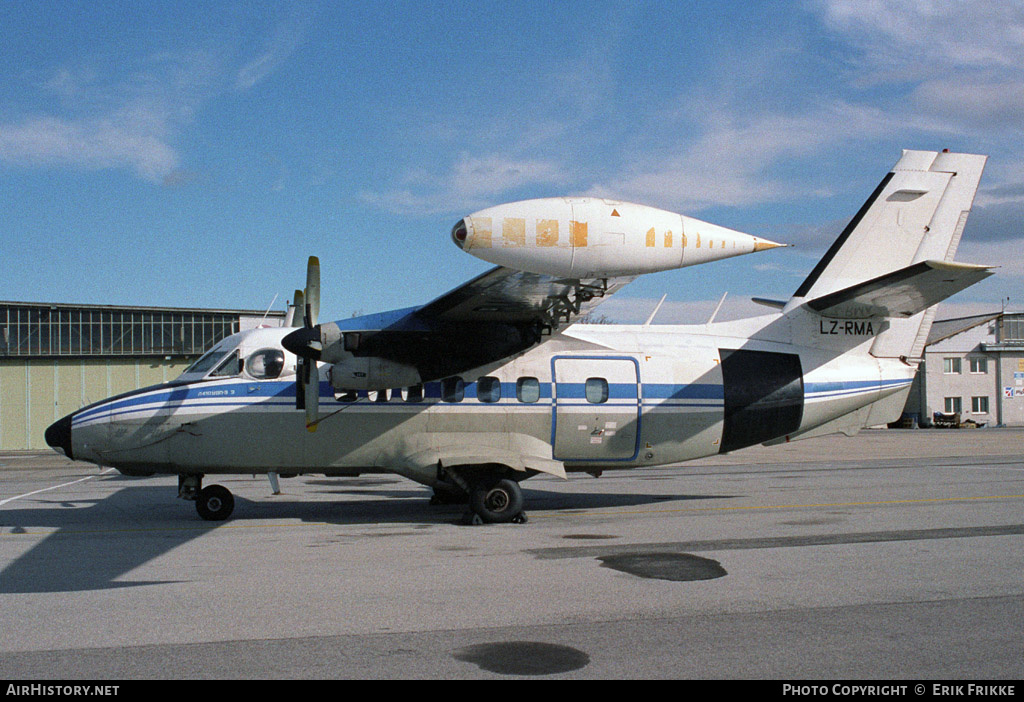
(916, 214)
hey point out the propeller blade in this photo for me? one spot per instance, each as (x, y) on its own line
(299, 319)
(312, 295)
(305, 343)
(300, 386)
(311, 395)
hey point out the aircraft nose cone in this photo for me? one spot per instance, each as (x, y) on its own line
(58, 435)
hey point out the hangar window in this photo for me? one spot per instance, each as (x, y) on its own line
(979, 365)
(597, 390)
(265, 364)
(60, 330)
(979, 405)
(528, 389)
(453, 389)
(488, 389)
(952, 404)
(951, 366)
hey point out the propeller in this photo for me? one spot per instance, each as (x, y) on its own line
(305, 343)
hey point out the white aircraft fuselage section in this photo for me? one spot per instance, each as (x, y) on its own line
(598, 397)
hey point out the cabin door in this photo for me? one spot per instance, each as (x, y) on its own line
(596, 408)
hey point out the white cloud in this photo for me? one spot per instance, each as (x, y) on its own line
(726, 163)
(112, 141)
(287, 37)
(915, 38)
(130, 114)
(470, 183)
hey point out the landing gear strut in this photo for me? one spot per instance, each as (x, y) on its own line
(215, 503)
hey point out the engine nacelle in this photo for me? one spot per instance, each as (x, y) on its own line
(589, 237)
(371, 373)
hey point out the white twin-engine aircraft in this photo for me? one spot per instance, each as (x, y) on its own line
(493, 382)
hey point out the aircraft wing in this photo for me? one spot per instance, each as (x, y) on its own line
(516, 297)
(902, 293)
(492, 317)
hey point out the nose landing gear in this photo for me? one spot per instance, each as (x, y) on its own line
(214, 503)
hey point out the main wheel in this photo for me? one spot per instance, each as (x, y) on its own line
(215, 503)
(497, 502)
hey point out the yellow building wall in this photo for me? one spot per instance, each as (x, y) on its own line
(34, 394)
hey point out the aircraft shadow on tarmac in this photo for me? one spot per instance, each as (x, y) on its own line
(95, 545)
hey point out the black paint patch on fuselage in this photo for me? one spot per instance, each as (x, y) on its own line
(678, 567)
(524, 658)
(764, 396)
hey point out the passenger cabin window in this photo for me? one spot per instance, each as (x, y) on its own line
(527, 389)
(453, 389)
(597, 390)
(488, 389)
(265, 364)
(230, 366)
(414, 393)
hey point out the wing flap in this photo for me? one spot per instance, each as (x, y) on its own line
(902, 293)
(509, 296)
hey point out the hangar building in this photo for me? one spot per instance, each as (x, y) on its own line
(973, 367)
(56, 358)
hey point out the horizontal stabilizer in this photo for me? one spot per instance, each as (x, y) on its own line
(776, 304)
(902, 293)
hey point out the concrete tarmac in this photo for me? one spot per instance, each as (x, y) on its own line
(889, 555)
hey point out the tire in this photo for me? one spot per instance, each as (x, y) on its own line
(497, 502)
(215, 503)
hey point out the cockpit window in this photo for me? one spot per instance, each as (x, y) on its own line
(265, 364)
(206, 361)
(232, 365)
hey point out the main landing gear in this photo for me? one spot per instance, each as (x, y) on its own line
(215, 503)
(493, 498)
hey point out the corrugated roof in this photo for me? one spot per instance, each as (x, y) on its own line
(69, 305)
(951, 327)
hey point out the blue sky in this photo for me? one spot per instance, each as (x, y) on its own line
(195, 153)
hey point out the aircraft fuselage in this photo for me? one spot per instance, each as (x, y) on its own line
(598, 397)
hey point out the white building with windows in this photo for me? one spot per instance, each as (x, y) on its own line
(973, 367)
